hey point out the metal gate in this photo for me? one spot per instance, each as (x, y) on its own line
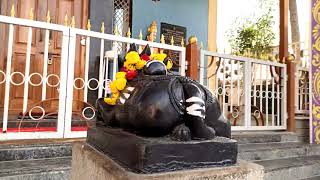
(252, 92)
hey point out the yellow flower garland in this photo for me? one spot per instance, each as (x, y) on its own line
(132, 63)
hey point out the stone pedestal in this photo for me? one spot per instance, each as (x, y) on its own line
(145, 155)
(88, 163)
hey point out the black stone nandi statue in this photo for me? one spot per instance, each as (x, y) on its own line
(154, 107)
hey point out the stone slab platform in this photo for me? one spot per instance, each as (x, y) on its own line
(152, 155)
(88, 163)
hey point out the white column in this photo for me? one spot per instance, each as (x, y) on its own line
(8, 73)
(27, 71)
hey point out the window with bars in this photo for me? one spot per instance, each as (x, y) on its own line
(121, 19)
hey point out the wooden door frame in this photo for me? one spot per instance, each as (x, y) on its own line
(3, 46)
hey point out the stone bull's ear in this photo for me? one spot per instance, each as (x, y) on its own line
(146, 51)
(133, 47)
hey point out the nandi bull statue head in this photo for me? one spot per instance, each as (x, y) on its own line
(148, 101)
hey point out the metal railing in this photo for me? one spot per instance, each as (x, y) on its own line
(251, 91)
(62, 104)
(104, 75)
(302, 90)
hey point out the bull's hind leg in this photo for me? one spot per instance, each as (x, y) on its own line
(216, 119)
(195, 112)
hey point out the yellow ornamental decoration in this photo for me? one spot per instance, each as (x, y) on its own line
(12, 12)
(73, 22)
(89, 25)
(317, 134)
(316, 60)
(316, 31)
(317, 44)
(31, 15)
(182, 42)
(48, 17)
(316, 111)
(172, 41)
(129, 33)
(316, 84)
(102, 27)
(162, 39)
(316, 12)
(66, 20)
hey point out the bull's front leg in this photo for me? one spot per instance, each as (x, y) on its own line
(195, 112)
(105, 113)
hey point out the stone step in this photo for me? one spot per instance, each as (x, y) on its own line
(264, 137)
(267, 151)
(52, 168)
(34, 150)
(291, 168)
(302, 117)
(313, 178)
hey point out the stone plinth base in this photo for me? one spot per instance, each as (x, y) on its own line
(88, 163)
(145, 155)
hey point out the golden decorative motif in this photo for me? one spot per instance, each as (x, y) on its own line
(140, 35)
(290, 58)
(66, 20)
(116, 32)
(317, 134)
(316, 28)
(192, 39)
(316, 12)
(316, 112)
(102, 27)
(12, 12)
(172, 41)
(152, 30)
(48, 17)
(162, 40)
(31, 16)
(316, 85)
(182, 42)
(129, 33)
(73, 22)
(316, 44)
(316, 60)
(316, 31)
(89, 25)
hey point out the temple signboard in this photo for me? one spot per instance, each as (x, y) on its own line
(315, 73)
(177, 34)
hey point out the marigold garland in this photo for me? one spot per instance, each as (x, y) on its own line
(133, 63)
